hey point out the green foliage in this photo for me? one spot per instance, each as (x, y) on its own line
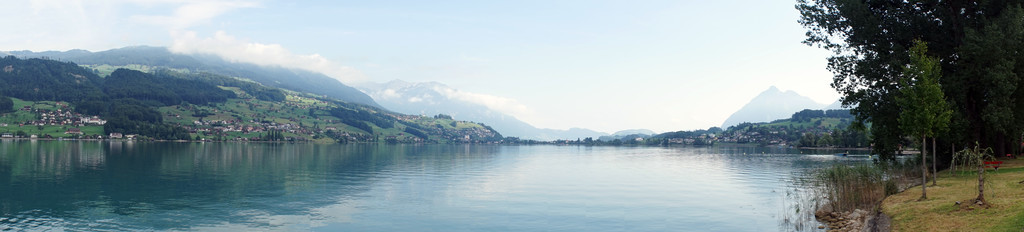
(977, 44)
(46, 80)
(125, 83)
(273, 135)
(93, 107)
(861, 186)
(972, 158)
(807, 115)
(278, 77)
(925, 112)
(358, 125)
(851, 187)
(808, 128)
(6, 104)
(256, 90)
(354, 116)
(129, 116)
(975, 158)
(415, 132)
(153, 130)
(131, 97)
(688, 134)
(132, 110)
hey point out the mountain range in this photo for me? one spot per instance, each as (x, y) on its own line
(160, 57)
(165, 104)
(773, 104)
(425, 98)
(432, 98)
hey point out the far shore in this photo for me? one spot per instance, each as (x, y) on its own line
(903, 152)
(837, 148)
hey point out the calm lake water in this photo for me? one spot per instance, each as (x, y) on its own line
(118, 186)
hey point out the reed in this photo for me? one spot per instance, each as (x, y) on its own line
(862, 186)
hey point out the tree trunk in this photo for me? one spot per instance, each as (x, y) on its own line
(924, 169)
(1001, 144)
(935, 169)
(952, 150)
(981, 182)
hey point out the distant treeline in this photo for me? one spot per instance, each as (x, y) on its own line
(688, 134)
(256, 90)
(46, 80)
(161, 90)
(125, 98)
(358, 119)
(807, 115)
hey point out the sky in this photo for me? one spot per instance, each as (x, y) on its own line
(603, 65)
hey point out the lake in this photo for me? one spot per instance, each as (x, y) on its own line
(143, 186)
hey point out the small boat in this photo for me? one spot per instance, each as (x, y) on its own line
(840, 154)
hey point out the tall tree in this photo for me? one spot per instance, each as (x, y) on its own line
(924, 110)
(977, 44)
(6, 104)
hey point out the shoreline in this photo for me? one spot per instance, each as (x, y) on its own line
(905, 152)
(836, 148)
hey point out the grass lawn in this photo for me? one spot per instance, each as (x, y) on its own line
(939, 213)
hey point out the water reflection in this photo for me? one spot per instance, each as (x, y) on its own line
(124, 185)
(132, 185)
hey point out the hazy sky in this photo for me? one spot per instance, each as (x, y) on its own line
(603, 65)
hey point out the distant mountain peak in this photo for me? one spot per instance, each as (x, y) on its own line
(770, 105)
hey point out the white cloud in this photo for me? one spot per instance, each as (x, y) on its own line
(501, 104)
(105, 24)
(386, 94)
(238, 50)
(192, 12)
(52, 24)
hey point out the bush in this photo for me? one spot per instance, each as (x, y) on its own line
(891, 187)
(6, 104)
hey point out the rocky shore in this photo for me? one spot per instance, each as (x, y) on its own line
(856, 220)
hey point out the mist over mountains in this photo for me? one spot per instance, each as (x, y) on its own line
(424, 98)
(429, 98)
(432, 98)
(275, 76)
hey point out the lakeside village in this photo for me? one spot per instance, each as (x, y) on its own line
(62, 117)
(815, 132)
(56, 120)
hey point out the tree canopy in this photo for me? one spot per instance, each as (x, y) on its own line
(6, 104)
(924, 111)
(45, 80)
(976, 44)
(163, 89)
